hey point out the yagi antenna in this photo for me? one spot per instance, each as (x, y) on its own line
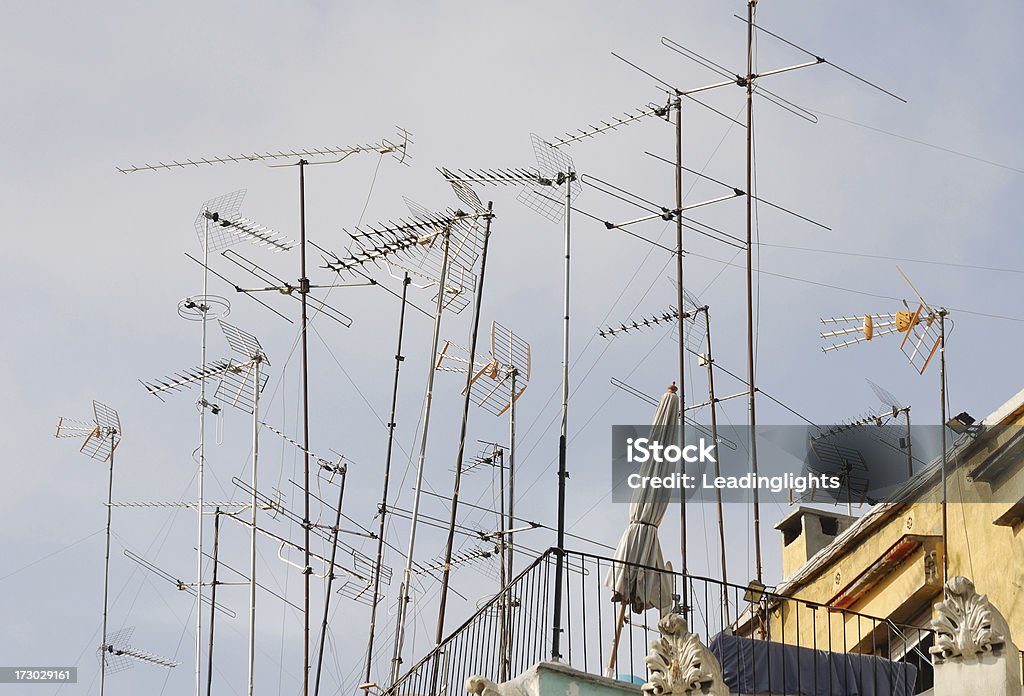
(919, 327)
(274, 284)
(554, 169)
(463, 251)
(490, 385)
(117, 655)
(695, 329)
(415, 246)
(227, 226)
(102, 435)
(320, 155)
(613, 123)
(237, 379)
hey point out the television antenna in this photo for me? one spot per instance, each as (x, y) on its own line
(300, 158)
(923, 331)
(425, 246)
(240, 386)
(555, 170)
(495, 386)
(117, 655)
(102, 436)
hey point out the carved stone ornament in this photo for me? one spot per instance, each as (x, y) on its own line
(680, 664)
(966, 624)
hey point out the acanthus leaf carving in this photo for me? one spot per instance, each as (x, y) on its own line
(680, 664)
(966, 623)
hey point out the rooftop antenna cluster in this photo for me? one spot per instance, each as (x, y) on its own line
(300, 159)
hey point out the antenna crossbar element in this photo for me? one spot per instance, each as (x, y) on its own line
(498, 177)
(669, 316)
(324, 463)
(244, 228)
(360, 591)
(243, 342)
(186, 378)
(326, 154)
(457, 559)
(616, 122)
(277, 284)
(180, 584)
(489, 456)
(885, 396)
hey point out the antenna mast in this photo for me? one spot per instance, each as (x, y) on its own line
(102, 436)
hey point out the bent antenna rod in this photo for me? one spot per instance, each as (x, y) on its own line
(102, 436)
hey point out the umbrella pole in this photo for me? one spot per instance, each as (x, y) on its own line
(612, 656)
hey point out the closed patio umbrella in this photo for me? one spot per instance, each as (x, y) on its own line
(639, 587)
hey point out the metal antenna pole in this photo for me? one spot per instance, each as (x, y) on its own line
(252, 539)
(335, 530)
(106, 564)
(910, 446)
(387, 474)
(678, 105)
(714, 436)
(511, 464)
(202, 462)
(470, 369)
(942, 429)
(503, 571)
(403, 602)
(563, 474)
(213, 596)
(303, 292)
(752, 390)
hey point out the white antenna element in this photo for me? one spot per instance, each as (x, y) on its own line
(118, 656)
(229, 227)
(325, 154)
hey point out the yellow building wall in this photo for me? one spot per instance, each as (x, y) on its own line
(991, 555)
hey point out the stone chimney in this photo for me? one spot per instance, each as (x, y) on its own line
(805, 531)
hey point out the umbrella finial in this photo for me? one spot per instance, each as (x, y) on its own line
(672, 388)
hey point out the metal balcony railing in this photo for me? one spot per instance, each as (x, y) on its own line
(759, 637)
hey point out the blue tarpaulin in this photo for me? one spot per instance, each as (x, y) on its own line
(752, 666)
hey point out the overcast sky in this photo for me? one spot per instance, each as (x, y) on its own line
(95, 265)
